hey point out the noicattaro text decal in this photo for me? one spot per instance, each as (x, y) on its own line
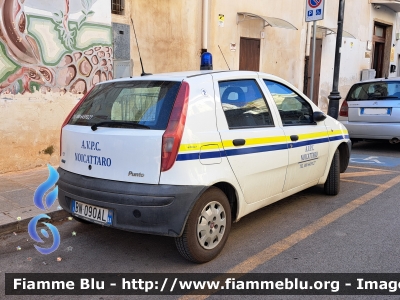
(92, 159)
(309, 158)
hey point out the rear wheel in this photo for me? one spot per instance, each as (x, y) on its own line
(332, 184)
(207, 227)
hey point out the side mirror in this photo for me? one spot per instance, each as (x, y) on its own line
(318, 116)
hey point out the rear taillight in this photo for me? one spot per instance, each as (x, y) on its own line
(344, 110)
(173, 134)
(71, 114)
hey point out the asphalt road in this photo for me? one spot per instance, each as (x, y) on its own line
(354, 232)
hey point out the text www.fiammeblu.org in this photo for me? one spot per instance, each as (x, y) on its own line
(232, 284)
(286, 284)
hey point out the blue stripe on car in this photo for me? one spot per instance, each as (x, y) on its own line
(258, 149)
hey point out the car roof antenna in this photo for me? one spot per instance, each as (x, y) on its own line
(224, 57)
(140, 57)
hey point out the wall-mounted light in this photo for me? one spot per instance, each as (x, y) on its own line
(377, 6)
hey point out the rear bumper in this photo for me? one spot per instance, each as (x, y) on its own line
(163, 208)
(365, 130)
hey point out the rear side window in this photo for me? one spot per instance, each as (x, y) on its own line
(375, 91)
(244, 104)
(147, 103)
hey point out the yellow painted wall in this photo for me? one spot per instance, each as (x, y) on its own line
(30, 129)
(282, 50)
(168, 33)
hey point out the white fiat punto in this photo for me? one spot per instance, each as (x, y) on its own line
(186, 154)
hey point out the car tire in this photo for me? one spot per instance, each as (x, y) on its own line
(207, 228)
(82, 220)
(332, 183)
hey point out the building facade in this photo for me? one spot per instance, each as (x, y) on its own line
(53, 51)
(247, 35)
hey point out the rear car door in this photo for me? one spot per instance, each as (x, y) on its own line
(307, 140)
(255, 146)
(374, 102)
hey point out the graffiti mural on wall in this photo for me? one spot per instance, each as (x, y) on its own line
(54, 45)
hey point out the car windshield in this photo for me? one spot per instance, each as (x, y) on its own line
(130, 104)
(381, 90)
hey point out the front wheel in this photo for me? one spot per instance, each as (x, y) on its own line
(207, 227)
(332, 184)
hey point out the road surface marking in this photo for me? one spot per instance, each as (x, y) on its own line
(373, 169)
(363, 182)
(267, 254)
(253, 262)
(365, 174)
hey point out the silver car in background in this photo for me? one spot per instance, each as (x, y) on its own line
(371, 110)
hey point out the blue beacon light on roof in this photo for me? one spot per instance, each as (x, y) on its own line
(206, 61)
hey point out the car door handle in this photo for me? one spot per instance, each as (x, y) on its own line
(239, 142)
(294, 137)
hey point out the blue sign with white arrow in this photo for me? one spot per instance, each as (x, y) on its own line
(373, 160)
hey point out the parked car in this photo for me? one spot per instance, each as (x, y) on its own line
(371, 110)
(186, 154)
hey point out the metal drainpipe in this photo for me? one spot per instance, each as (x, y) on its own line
(334, 97)
(308, 39)
(306, 58)
(205, 26)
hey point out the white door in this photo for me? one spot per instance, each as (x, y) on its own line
(255, 146)
(308, 141)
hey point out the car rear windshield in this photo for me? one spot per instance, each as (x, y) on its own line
(381, 90)
(147, 104)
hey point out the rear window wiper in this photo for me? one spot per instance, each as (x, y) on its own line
(124, 123)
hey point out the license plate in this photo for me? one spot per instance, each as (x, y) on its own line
(94, 213)
(375, 111)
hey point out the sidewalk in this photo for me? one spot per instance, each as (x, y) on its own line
(16, 200)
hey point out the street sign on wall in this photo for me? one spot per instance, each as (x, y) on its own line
(314, 10)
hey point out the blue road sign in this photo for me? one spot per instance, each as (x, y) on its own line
(375, 161)
(314, 10)
(314, 3)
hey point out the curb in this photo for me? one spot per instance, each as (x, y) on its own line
(23, 224)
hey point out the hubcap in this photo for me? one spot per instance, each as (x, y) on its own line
(211, 225)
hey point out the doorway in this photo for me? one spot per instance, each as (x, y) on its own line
(382, 38)
(249, 58)
(317, 71)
